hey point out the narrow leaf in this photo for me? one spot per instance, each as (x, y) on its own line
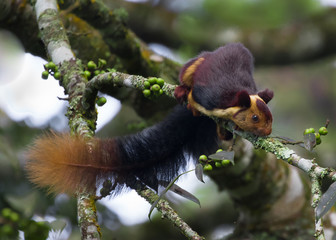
(328, 199)
(309, 141)
(164, 192)
(183, 193)
(199, 172)
(229, 155)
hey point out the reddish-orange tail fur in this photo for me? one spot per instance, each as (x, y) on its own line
(66, 164)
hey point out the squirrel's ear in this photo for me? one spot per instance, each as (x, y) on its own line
(266, 95)
(242, 99)
(188, 70)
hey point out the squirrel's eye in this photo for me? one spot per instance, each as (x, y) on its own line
(255, 118)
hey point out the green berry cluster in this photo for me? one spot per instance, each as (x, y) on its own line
(52, 69)
(153, 87)
(93, 69)
(321, 132)
(12, 222)
(209, 164)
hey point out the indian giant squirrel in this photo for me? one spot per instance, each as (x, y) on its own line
(218, 83)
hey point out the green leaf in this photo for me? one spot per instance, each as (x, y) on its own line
(328, 199)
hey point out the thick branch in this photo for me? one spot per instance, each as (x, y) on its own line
(55, 39)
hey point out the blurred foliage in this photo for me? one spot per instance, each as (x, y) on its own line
(259, 14)
(305, 95)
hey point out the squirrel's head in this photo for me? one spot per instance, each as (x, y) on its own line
(250, 112)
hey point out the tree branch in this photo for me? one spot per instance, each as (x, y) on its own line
(167, 212)
(55, 39)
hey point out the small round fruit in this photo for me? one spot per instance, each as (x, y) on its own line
(6, 212)
(218, 164)
(14, 217)
(57, 75)
(160, 81)
(91, 65)
(101, 101)
(318, 141)
(96, 72)
(219, 150)
(323, 131)
(203, 158)
(45, 74)
(102, 62)
(207, 167)
(146, 85)
(51, 66)
(152, 80)
(226, 162)
(309, 130)
(160, 92)
(155, 88)
(46, 66)
(146, 92)
(87, 73)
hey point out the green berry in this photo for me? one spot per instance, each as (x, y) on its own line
(91, 65)
(207, 167)
(318, 141)
(6, 212)
(203, 158)
(14, 217)
(323, 131)
(111, 70)
(101, 62)
(101, 101)
(96, 72)
(147, 84)
(309, 130)
(152, 80)
(46, 66)
(45, 74)
(160, 92)
(226, 162)
(87, 73)
(155, 88)
(317, 136)
(51, 66)
(219, 150)
(160, 81)
(7, 230)
(57, 75)
(218, 164)
(146, 92)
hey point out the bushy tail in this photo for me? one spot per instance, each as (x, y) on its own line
(68, 164)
